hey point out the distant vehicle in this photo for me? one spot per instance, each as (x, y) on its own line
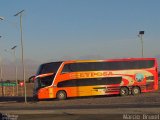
(77, 78)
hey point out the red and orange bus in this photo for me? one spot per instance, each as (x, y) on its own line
(77, 78)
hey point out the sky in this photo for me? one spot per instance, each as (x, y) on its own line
(56, 30)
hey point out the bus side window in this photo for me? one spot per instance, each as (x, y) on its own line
(67, 83)
(66, 69)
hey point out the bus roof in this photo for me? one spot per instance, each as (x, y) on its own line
(118, 59)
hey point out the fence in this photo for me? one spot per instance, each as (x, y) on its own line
(10, 89)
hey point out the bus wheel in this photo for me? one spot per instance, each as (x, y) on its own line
(124, 91)
(61, 95)
(136, 91)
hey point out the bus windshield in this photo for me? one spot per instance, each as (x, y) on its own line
(45, 74)
(48, 68)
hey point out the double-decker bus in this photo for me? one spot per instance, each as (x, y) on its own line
(77, 78)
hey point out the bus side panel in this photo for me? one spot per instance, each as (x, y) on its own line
(43, 93)
(152, 81)
(70, 91)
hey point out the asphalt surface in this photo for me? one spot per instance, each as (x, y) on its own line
(86, 108)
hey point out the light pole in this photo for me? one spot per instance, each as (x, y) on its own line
(1, 73)
(141, 33)
(15, 59)
(1, 78)
(20, 14)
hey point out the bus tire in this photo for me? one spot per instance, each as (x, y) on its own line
(136, 90)
(124, 91)
(61, 95)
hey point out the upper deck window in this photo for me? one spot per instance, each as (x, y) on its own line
(112, 65)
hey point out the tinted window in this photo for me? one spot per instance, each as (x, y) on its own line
(46, 81)
(90, 81)
(49, 68)
(116, 65)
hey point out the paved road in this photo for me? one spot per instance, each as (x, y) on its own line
(35, 107)
(37, 111)
(95, 108)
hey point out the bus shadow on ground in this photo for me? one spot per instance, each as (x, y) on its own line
(15, 99)
(79, 98)
(30, 99)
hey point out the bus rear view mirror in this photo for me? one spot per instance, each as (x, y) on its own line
(31, 79)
